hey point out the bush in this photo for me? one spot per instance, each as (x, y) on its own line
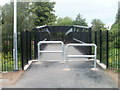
(7, 62)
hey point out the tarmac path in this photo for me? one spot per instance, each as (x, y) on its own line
(52, 74)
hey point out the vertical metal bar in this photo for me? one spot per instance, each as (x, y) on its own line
(107, 48)
(90, 40)
(95, 37)
(110, 35)
(118, 40)
(117, 51)
(7, 40)
(63, 52)
(26, 46)
(95, 53)
(28, 42)
(22, 49)
(35, 45)
(113, 62)
(100, 45)
(38, 51)
(15, 36)
(30, 45)
(66, 56)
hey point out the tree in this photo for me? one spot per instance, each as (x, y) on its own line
(116, 24)
(0, 14)
(64, 21)
(24, 17)
(80, 20)
(115, 28)
(7, 18)
(44, 13)
(97, 24)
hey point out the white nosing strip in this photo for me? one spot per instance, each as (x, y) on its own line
(101, 64)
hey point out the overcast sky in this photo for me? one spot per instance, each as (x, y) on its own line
(100, 9)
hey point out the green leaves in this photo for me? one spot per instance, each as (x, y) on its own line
(69, 21)
(97, 24)
(24, 17)
(80, 20)
(64, 21)
(44, 13)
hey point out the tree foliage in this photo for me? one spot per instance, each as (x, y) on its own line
(24, 18)
(80, 20)
(116, 24)
(64, 21)
(115, 28)
(7, 18)
(44, 13)
(29, 15)
(97, 24)
(69, 21)
(0, 14)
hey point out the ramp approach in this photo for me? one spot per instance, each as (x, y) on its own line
(75, 47)
(52, 74)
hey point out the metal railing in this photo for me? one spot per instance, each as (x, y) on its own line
(81, 56)
(53, 51)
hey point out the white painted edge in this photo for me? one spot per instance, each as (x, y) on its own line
(101, 64)
(94, 69)
(49, 60)
(29, 63)
(91, 59)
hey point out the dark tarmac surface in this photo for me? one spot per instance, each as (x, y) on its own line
(52, 74)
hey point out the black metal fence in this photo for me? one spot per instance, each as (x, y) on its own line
(27, 48)
(107, 47)
(7, 61)
(29, 41)
(106, 41)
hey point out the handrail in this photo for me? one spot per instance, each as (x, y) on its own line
(73, 56)
(55, 51)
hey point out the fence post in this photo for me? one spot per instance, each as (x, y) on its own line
(30, 45)
(95, 38)
(90, 40)
(22, 49)
(27, 46)
(107, 48)
(35, 44)
(100, 45)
